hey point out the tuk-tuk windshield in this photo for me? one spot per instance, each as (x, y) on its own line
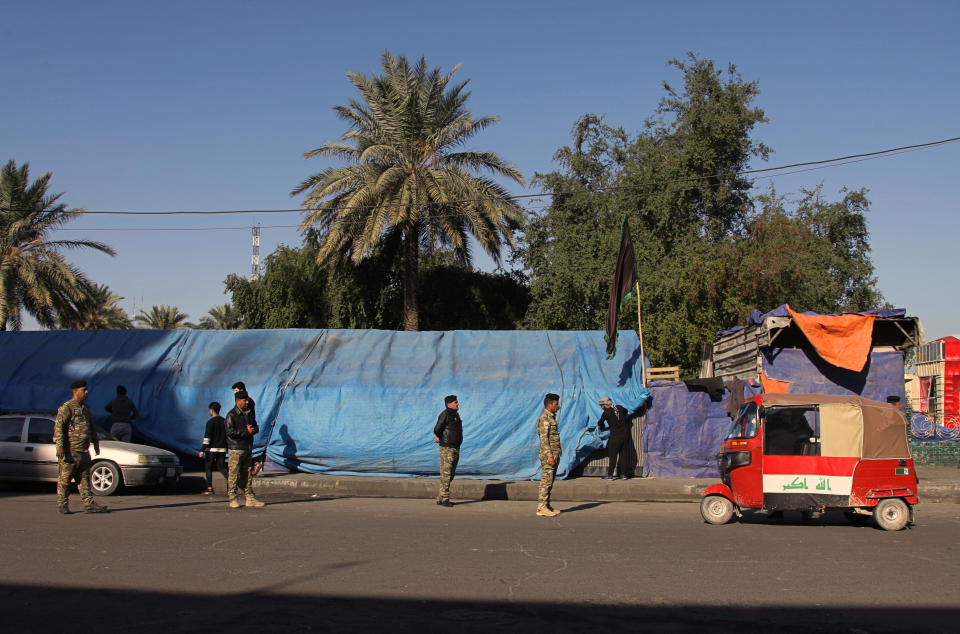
(745, 425)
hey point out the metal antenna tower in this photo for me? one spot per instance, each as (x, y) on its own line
(255, 258)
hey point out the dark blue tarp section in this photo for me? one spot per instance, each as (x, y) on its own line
(341, 401)
(809, 374)
(757, 318)
(682, 431)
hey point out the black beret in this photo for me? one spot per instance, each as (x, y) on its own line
(449, 399)
(78, 384)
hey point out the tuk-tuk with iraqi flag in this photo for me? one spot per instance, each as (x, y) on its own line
(816, 453)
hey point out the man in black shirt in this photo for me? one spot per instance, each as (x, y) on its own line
(214, 449)
(449, 434)
(618, 445)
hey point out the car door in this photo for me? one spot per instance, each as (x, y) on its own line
(42, 464)
(11, 449)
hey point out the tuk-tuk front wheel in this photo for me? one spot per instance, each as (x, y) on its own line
(891, 514)
(716, 509)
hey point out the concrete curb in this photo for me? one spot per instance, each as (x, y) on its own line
(576, 490)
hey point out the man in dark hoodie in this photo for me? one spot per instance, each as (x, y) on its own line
(122, 412)
(449, 434)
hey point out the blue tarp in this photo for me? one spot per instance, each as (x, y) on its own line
(756, 317)
(682, 431)
(341, 401)
(809, 374)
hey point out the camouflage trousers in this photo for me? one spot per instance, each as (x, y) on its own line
(449, 457)
(79, 470)
(546, 483)
(239, 476)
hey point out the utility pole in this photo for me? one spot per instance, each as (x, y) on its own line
(255, 259)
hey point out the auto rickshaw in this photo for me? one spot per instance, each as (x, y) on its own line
(816, 453)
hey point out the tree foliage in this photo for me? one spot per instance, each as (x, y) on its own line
(708, 250)
(296, 292)
(98, 309)
(223, 317)
(34, 275)
(408, 182)
(162, 317)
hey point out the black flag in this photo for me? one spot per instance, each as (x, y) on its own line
(623, 287)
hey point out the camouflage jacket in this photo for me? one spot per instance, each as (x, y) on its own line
(73, 430)
(549, 436)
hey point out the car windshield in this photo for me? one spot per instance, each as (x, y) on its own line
(745, 425)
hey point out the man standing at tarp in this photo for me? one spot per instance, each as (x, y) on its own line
(549, 453)
(449, 433)
(122, 412)
(241, 427)
(618, 445)
(73, 432)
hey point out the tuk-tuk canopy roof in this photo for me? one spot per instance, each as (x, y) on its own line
(884, 426)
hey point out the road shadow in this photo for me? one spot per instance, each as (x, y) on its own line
(28, 608)
(582, 507)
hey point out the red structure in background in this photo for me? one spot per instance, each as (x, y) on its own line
(938, 368)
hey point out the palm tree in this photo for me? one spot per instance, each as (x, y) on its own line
(162, 317)
(34, 276)
(221, 318)
(97, 310)
(406, 178)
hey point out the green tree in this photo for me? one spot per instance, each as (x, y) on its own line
(99, 309)
(223, 317)
(162, 317)
(708, 251)
(408, 181)
(294, 292)
(34, 275)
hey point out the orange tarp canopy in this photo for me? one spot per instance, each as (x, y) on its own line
(842, 340)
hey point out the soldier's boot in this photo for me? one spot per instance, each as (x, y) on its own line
(63, 509)
(546, 511)
(93, 507)
(445, 503)
(254, 502)
(234, 503)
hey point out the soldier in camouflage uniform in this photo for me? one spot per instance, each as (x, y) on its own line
(448, 433)
(73, 433)
(550, 453)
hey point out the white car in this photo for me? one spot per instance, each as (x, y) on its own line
(27, 452)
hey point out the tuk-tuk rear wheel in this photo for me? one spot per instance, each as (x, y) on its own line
(891, 514)
(716, 509)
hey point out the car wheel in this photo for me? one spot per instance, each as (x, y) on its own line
(716, 509)
(104, 478)
(891, 514)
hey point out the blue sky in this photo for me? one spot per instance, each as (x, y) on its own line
(137, 106)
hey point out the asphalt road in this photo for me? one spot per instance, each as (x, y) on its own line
(186, 563)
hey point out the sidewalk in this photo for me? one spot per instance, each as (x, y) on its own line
(937, 484)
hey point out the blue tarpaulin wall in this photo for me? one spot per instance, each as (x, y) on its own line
(341, 401)
(682, 431)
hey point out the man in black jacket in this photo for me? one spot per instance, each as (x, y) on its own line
(618, 445)
(449, 434)
(214, 448)
(241, 427)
